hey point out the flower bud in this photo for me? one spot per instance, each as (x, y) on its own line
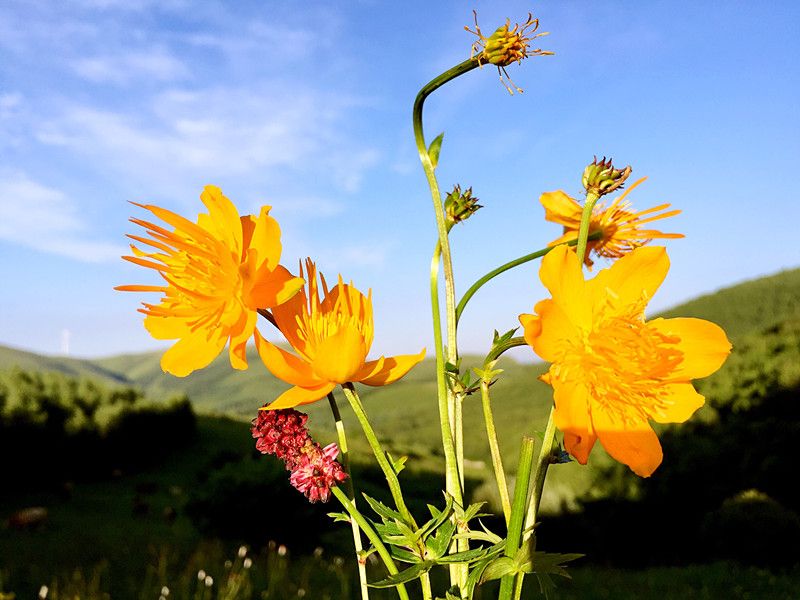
(601, 178)
(460, 206)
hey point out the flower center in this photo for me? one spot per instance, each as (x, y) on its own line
(623, 363)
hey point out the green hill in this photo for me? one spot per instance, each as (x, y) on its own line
(405, 414)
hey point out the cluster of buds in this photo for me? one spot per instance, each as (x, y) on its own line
(460, 206)
(601, 178)
(314, 470)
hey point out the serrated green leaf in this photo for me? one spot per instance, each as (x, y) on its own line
(405, 576)
(473, 510)
(404, 555)
(339, 516)
(475, 575)
(398, 464)
(384, 511)
(438, 517)
(497, 568)
(435, 148)
(439, 543)
(467, 556)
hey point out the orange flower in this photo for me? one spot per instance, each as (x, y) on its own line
(218, 273)
(618, 222)
(332, 338)
(612, 371)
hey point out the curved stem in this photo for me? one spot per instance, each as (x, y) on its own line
(351, 494)
(506, 267)
(378, 451)
(458, 573)
(499, 349)
(372, 536)
(445, 414)
(494, 447)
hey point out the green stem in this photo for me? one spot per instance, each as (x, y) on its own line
(372, 536)
(500, 349)
(543, 462)
(506, 267)
(458, 573)
(514, 536)
(378, 451)
(425, 582)
(494, 447)
(351, 494)
(445, 414)
(586, 217)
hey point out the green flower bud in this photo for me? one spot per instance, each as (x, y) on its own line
(601, 178)
(460, 206)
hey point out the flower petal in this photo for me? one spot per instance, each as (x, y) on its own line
(223, 220)
(266, 239)
(272, 288)
(193, 352)
(704, 345)
(283, 365)
(166, 328)
(632, 443)
(550, 331)
(560, 208)
(393, 369)
(300, 395)
(572, 417)
(633, 277)
(338, 357)
(682, 402)
(369, 369)
(561, 273)
(240, 335)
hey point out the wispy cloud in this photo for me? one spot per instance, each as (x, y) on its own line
(45, 219)
(125, 68)
(206, 134)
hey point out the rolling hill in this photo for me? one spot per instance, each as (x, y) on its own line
(405, 414)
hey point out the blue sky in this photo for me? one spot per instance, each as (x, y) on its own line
(306, 107)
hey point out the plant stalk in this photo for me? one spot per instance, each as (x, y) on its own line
(380, 454)
(373, 537)
(494, 447)
(351, 494)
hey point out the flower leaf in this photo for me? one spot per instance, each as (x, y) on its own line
(435, 148)
(405, 576)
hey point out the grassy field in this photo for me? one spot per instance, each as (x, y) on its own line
(134, 527)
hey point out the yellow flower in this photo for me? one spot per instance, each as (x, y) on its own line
(218, 273)
(612, 371)
(618, 223)
(332, 337)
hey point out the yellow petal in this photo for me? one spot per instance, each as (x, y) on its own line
(572, 417)
(369, 369)
(193, 352)
(266, 239)
(681, 399)
(393, 369)
(240, 335)
(555, 331)
(285, 366)
(704, 345)
(632, 443)
(560, 208)
(272, 288)
(299, 395)
(561, 273)
(339, 357)
(633, 277)
(166, 328)
(286, 315)
(223, 219)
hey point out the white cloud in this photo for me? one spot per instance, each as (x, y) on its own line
(209, 134)
(151, 64)
(44, 218)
